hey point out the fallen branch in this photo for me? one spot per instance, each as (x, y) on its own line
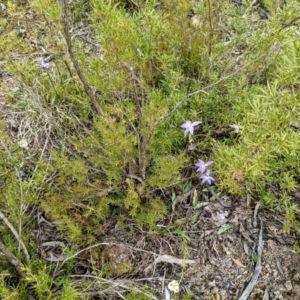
(258, 267)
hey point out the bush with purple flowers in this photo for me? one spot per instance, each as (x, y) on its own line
(201, 165)
(99, 99)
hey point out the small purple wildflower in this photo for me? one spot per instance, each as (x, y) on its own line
(189, 126)
(202, 165)
(42, 63)
(207, 178)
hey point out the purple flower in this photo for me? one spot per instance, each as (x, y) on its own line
(42, 63)
(207, 178)
(202, 165)
(189, 126)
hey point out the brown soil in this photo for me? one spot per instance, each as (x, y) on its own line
(220, 265)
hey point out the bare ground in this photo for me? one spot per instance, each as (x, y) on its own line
(208, 265)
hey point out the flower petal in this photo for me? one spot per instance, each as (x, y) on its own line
(200, 163)
(196, 123)
(207, 178)
(174, 286)
(186, 131)
(209, 163)
(167, 294)
(191, 146)
(186, 124)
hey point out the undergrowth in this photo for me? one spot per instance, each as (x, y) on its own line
(102, 139)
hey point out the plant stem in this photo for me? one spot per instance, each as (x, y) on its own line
(87, 88)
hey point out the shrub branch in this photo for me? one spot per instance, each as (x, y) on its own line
(13, 260)
(277, 48)
(87, 88)
(14, 232)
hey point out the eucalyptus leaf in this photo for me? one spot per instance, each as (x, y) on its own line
(187, 189)
(200, 204)
(224, 228)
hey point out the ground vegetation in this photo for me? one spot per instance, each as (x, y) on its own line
(137, 135)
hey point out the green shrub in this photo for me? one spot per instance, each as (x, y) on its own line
(150, 66)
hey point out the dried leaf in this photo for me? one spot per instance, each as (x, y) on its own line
(238, 263)
(246, 248)
(266, 294)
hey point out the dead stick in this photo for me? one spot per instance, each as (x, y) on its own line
(170, 259)
(87, 88)
(258, 267)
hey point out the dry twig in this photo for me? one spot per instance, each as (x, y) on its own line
(172, 260)
(255, 214)
(258, 266)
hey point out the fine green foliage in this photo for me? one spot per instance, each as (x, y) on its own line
(151, 65)
(138, 294)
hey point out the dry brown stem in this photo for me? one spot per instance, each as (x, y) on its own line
(87, 88)
(13, 260)
(172, 260)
